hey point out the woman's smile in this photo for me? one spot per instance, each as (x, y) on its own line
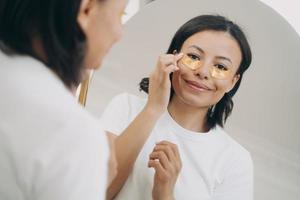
(199, 87)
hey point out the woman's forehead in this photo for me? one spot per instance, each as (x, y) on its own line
(217, 43)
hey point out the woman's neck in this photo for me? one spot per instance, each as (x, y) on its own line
(188, 116)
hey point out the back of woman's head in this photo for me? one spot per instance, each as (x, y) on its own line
(218, 114)
(54, 24)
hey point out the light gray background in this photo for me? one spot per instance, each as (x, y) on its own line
(266, 112)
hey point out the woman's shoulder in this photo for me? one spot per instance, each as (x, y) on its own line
(129, 101)
(129, 97)
(234, 147)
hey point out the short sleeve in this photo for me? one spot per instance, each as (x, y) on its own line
(238, 181)
(116, 116)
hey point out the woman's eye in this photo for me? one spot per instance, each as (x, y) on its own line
(194, 57)
(221, 67)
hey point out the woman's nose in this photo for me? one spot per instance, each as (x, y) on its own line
(203, 71)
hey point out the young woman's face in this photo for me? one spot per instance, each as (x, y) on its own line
(100, 20)
(217, 56)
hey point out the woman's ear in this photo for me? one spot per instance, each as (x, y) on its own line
(84, 14)
(233, 82)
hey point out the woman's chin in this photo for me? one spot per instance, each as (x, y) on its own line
(193, 100)
(94, 66)
(98, 66)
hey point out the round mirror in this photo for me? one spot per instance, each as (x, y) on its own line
(266, 112)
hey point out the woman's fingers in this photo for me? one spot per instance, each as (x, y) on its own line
(162, 158)
(172, 146)
(178, 57)
(167, 63)
(166, 149)
(156, 165)
(169, 59)
(167, 153)
(164, 169)
(172, 152)
(162, 175)
(171, 68)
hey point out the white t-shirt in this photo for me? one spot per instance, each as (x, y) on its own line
(50, 147)
(214, 166)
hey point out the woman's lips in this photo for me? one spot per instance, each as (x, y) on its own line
(197, 86)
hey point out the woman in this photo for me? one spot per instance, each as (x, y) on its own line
(178, 129)
(51, 148)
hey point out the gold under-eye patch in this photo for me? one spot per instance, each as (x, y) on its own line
(189, 62)
(193, 64)
(218, 73)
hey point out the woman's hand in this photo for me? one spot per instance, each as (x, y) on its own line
(165, 159)
(159, 83)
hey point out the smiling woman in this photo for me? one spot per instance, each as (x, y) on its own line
(178, 130)
(221, 49)
(265, 118)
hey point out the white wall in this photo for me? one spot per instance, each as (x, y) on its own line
(289, 9)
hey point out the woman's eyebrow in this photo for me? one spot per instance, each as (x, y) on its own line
(197, 47)
(224, 58)
(202, 51)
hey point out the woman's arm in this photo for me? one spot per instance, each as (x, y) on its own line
(134, 135)
(139, 130)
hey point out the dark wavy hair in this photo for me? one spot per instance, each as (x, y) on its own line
(218, 114)
(54, 23)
